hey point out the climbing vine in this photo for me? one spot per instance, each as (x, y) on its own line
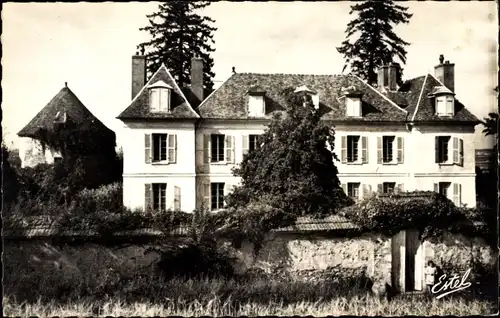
(426, 211)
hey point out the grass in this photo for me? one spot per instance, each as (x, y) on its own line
(356, 305)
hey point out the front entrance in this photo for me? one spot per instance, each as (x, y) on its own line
(407, 261)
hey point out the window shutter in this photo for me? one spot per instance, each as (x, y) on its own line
(147, 148)
(455, 151)
(206, 149)
(154, 99)
(401, 187)
(172, 148)
(343, 150)
(245, 143)
(206, 196)
(436, 187)
(436, 149)
(229, 147)
(366, 191)
(164, 100)
(227, 190)
(344, 188)
(461, 152)
(379, 150)
(380, 188)
(400, 145)
(177, 198)
(364, 149)
(148, 197)
(457, 193)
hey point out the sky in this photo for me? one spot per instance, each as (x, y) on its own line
(89, 45)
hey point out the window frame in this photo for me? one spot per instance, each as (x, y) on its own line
(393, 151)
(449, 150)
(445, 185)
(218, 188)
(356, 187)
(353, 139)
(445, 105)
(159, 196)
(386, 186)
(162, 104)
(255, 142)
(219, 138)
(353, 107)
(160, 136)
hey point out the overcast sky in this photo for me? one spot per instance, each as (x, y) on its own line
(90, 47)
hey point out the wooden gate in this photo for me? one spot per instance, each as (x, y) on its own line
(407, 261)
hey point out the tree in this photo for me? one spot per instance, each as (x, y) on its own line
(9, 178)
(490, 125)
(376, 44)
(293, 169)
(178, 34)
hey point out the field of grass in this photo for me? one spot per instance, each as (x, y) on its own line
(356, 305)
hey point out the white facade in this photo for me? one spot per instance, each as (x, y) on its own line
(192, 174)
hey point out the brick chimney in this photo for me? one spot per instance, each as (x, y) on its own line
(197, 77)
(387, 77)
(138, 73)
(445, 72)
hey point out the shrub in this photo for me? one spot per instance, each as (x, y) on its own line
(427, 211)
(195, 259)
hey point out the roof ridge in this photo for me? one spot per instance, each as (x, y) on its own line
(420, 97)
(303, 74)
(378, 92)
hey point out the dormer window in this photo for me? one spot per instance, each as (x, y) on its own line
(256, 102)
(444, 101)
(159, 97)
(314, 95)
(352, 101)
(353, 106)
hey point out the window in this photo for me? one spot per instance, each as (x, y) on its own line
(443, 188)
(159, 97)
(256, 106)
(253, 142)
(352, 148)
(159, 196)
(353, 106)
(445, 105)
(442, 151)
(388, 148)
(449, 150)
(217, 148)
(388, 187)
(161, 148)
(217, 195)
(353, 190)
(452, 191)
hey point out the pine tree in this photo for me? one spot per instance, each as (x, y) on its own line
(178, 34)
(370, 41)
(294, 167)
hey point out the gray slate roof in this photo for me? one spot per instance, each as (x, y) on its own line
(63, 102)
(139, 107)
(230, 100)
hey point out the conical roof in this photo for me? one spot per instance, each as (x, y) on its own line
(64, 107)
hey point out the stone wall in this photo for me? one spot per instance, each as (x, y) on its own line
(53, 263)
(459, 251)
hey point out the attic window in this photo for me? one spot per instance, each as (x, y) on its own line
(159, 97)
(353, 102)
(256, 101)
(444, 101)
(314, 95)
(353, 106)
